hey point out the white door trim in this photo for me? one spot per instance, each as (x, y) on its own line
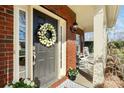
(61, 23)
(16, 41)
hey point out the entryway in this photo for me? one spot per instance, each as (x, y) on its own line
(42, 64)
(44, 67)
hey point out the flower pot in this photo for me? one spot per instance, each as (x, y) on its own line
(72, 78)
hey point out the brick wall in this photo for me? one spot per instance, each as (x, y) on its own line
(66, 13)
(6, 44)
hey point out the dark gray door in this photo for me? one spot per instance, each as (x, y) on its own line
(45, 62)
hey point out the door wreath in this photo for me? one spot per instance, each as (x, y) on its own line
(47, 35)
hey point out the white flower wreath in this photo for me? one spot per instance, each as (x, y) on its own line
(47, 34)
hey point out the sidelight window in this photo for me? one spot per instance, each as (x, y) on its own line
(22, 44)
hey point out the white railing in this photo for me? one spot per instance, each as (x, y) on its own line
(86, 64)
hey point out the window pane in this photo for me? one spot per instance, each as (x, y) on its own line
(22, 41)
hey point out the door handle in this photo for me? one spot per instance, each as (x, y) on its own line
(34, 56)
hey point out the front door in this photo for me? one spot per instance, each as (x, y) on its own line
(44, 67)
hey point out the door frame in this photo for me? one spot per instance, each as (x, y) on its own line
(16, 42)
(61, 64)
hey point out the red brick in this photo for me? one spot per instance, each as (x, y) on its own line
(9, 29)
(8, 58)
(6, 44)
(2, 49)
(9, 32)
(2, 54)
(2, 19)
(8, 7)
(2, 67)
(2, 59)
(9, 48)
(9, 24)
(2, 23)
(2, 32)
(2, 14)
(10, 65)
(10, 76)
(9, 18)
(2, 84)
(1, 27)
(2, 62)
(58, 82)
(1, 9)
(9, 54)
(9, 45)
(1, 72)
(2, 36)
(2, 44)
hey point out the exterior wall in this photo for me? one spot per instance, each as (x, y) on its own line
(66, 13)
(6, 40)
(6, 44)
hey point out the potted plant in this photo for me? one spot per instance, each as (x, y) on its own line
(22, 83)
(72, 73)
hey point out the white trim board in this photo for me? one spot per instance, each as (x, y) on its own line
(16, 41)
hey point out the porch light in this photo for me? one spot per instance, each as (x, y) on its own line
(74, 27)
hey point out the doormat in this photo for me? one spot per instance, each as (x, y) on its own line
(70, 84)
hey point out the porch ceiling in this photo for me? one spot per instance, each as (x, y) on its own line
(85, 14)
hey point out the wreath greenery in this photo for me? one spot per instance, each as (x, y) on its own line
(47, 35)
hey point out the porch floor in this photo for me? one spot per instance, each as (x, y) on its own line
(70, 84)
(84, 80)
(81, 82)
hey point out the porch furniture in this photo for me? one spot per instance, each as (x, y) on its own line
(86, 64)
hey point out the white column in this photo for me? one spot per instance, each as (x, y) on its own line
(99, 46)
(98, 34)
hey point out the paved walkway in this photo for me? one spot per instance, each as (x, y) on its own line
(70, 84)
